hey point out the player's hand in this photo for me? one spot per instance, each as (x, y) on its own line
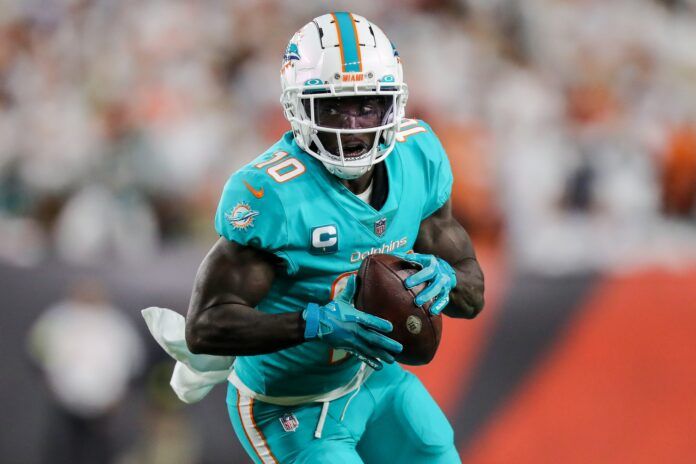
(340, 325)
(440, 276)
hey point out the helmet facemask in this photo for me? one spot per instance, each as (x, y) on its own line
(301, 105)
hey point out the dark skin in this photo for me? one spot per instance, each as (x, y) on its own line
(233, 279)
(351, 113)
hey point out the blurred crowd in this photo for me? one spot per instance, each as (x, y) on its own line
(570, 124)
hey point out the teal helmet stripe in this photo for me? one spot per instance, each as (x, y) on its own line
(348, 40)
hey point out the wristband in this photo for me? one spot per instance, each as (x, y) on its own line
(311, 316)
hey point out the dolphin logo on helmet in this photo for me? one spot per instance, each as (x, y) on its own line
(291, 53)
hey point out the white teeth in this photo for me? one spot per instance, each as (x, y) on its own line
(354, 151)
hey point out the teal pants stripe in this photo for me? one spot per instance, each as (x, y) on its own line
(349, 41)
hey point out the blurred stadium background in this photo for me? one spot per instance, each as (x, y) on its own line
(571, 128)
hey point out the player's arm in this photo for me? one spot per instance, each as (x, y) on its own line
(459, 279)
(222, 320)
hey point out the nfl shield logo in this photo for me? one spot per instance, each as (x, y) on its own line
(380, 227)
(289, 422)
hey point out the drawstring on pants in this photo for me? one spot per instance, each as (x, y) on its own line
(322, 419)
(345, 408)
(325, 411)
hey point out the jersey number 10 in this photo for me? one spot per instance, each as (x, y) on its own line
(284, 171)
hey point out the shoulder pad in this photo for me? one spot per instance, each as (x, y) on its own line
(250, 211)
(422, 152)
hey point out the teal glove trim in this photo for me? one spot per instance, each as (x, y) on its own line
(440, 276)
(340, 325)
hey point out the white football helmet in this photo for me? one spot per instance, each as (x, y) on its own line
(341, 55)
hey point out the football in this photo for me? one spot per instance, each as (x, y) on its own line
(380, 290)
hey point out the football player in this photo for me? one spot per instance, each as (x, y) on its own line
(314, 380)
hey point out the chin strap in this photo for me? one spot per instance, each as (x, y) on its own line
(317, 149)
(347, 172)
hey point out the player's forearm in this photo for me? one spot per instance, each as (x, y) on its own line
(239, 330)
(466, 299)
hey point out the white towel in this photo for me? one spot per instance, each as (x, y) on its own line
(194, 374)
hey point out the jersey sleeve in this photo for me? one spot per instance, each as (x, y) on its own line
(251, 213)
(438, 171)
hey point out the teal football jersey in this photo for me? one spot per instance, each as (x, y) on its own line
(287, 203)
